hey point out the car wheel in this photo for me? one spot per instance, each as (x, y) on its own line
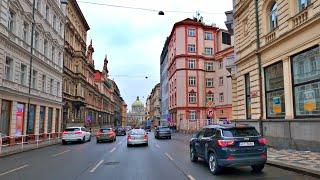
(146, 144)
(98, 141)
(193, 155)
(89, 138)
(213, 164)
(169, 137)
(257, 168)
(83, 139)
(115, 139)
(64, 142)
(128, 145)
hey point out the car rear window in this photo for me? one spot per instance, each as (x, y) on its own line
(72, 129)
(137, 132)
(164, 129)
(240, 132)
(104, 130)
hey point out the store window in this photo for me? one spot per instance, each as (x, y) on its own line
(248, 96)
(5, 116)
(41, 119)
(31, 120)
(50, 114)
(274, 88)
(306, 82)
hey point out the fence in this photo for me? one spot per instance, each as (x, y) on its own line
(11, 143)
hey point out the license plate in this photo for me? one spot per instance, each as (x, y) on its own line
(246, 144)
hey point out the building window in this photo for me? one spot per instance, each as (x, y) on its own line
(221, 81)
(221, 112)
(273, 16)
(226, 38)
(42, 118)
(306, 81)
(38, 5)
(192, 98)
(247, 94)
(59, 59)
(45, 48)
(192, 64)
(51, 86)
(60, 30)
(208, 36)
(5, 116)
(77, 68)
(23, 74)
(303, 4)
(192, 81)
(208, 51)
(275, 91)
(8, 69)
(36, 40)
(58, 88)
(34, 79)
(220, 64)
(209, 97)
(31, 119)
(191, 48)
(209, 66)
(11, 21)
(44, 83)
(25, 31)
(47, 12)
(221, 97)
(191, 32)
(193, 115)
(209, 82)
(53, 53)
(54, 22)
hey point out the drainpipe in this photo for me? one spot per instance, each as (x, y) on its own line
(256, 2)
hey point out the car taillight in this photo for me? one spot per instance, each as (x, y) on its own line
(98, 134)
(145, 136)
(225, 143)
(230, 157)
(78, 132)
(65, 132)
(263, 141)
(129, 137)
(264, 155)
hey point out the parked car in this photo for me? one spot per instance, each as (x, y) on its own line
(162, 132)
(75, 134)
(120, 131)
(137, 136)
(128, 128)
(229, 146)
(106, 134)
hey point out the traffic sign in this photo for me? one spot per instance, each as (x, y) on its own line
(210, 104)
(210, 113)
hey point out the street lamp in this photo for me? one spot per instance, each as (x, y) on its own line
(160, 13)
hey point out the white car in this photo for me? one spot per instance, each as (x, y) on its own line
(75, 134)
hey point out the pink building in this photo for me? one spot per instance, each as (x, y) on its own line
(198, 82)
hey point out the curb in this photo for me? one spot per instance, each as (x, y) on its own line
(9, 153)
(297, 169)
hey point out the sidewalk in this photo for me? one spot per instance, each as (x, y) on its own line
(301, 161)
(9, 150)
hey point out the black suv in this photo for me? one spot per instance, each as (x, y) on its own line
(229, 146)
(162, 132)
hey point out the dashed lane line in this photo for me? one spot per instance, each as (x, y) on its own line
(94, 168)
(157, 145)
(191, 177)
(168, 156)
(13, 170)
(113, 149)
(58, 154)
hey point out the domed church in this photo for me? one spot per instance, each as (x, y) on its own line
(136, 116)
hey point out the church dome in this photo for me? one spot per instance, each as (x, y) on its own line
(137, 103)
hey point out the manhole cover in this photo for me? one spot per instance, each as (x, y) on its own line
(111, 163)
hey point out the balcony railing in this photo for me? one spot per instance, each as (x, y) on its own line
(270, 37)
(300, 18)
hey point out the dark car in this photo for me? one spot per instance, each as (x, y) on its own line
(162, 132)
(120, 131)
(229, 145)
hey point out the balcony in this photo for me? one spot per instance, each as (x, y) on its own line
(15, 86)
(300, 18)
(271, 36)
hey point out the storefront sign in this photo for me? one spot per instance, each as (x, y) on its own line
(309, 101)
(19, 119)
(276, 105)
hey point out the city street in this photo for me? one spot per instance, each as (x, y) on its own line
(162, 159)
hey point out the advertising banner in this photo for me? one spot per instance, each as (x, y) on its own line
(19, 119)
(276, 105)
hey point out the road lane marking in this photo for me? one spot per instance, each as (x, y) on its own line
(168, 155)
(99, 163)
(113, 149)
(119, 142)
(13, 170)
(58, 154)
(191, 177)
(157, 145)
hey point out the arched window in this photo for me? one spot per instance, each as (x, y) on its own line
(273, 16)
(303, 4)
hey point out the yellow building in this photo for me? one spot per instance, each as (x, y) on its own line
(278, 65)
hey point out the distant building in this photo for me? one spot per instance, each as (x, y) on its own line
(154, 114)
(164, 87)
(136, 116)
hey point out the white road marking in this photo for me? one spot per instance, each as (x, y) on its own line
(119, 142)
(157, 145)
(191, 177)
(55, 155)
(99, 163)
(168, 155)
(113, 149)
(13, 170)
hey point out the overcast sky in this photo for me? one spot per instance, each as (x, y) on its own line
(133, 39)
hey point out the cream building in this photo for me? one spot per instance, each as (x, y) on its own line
(278, 68)
(45, 92)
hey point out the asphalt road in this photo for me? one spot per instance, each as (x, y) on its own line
(162, 159)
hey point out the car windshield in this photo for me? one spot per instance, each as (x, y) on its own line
(164, 129)
(104, 130)
(240, 132)
(72, 129)
(137, 132)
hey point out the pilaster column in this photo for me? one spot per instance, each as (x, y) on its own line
(288, 96)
